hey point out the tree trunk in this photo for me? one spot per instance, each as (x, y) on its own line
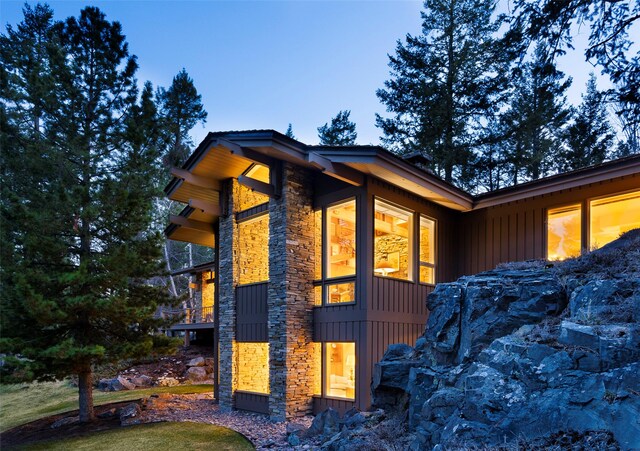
(85, 391)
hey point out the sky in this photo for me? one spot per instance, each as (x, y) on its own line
(265, 64)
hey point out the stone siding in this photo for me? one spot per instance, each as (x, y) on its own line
(253, 365)
(228, 254)
(253, 250)
(247, 198)
(291, 296)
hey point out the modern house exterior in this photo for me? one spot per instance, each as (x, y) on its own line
(325, 255)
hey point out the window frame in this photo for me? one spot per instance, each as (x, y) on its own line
(434, 265)
(324, 368)
(413, 274)
(324, 282)
(586, 238)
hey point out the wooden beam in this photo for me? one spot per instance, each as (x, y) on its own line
(195, 180)
(336, 170)
(191, 224)
(206, 207)
(245, 152)
(257, 185)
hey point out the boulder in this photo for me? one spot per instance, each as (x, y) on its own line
(130, 414)
(605, 301)
(110, 385)
(198, 361)
(167, 382)
(142, 381)
(65, 422)
(196, 374)
(126, 383)
(326, 423)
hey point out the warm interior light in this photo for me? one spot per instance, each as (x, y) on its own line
(392, 243)
(563, 232)
(612, 216)
(384, 267)
(340, 370)
(253, 367)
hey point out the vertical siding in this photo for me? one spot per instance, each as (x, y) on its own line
(254, 402)
(516, 231)
(252, 312)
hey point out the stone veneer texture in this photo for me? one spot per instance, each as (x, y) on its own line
(253, 250)
(291, 270)
(253, 367)
(228, 277)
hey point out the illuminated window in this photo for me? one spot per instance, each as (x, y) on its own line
(253, 250)
(392, 241)
(317, 295)
(563, 232)
(340, 370)
(427, 250)
(340, 293)
(317, 238)
(341, 239)
(612, 216)
(253, 367)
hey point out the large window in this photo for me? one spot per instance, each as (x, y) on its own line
(563, 232)
(340, 370)
(612, 216)
(427, 250)
(253, 367)
(392, 242)
(341, 240)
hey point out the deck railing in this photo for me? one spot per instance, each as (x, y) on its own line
(190, 315)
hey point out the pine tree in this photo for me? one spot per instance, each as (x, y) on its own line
(289, 132)
(80, 245)
(590, 137)
(181, 109)
(341, 132)
(535, 119)
(444, 83)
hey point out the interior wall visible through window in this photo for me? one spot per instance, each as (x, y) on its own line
(564, 232)
(340, 370)
(612, 216)
(427, 250)
(341, 239)
(393, 241)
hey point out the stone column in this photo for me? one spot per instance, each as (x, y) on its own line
(228, 274)
(291, 272)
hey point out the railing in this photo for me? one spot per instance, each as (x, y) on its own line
(190, 315)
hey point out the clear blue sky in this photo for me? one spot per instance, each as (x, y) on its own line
(270, 63)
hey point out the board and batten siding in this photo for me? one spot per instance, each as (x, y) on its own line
(252, 312)
(517, 231)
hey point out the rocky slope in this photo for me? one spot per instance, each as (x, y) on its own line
(524, 352)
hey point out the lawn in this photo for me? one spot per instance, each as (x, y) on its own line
(155, 436)
(23, 403)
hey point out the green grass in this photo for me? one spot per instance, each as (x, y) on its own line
(23, 403)
(155, 436)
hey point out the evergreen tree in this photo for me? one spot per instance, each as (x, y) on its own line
(535, 119)
(181, 109)
(590, 137)
(289, 132)
(341, 132)
(78, 248)
(444, 84)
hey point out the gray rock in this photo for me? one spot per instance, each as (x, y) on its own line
(110, 385)
(573, 334)
(126, 383)
(142, 381)
(196, 374)
(129, 412)
(602, 301)
(326, 423)
(110, 413)
(198, 361)
(397, 351)
(64, 422)
(293, 440)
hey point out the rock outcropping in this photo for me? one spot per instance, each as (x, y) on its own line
(520, 354)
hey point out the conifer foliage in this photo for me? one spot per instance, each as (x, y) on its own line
(341, 131)
(80, 156)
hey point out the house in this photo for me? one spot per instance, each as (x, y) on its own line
(196, 316)
(325, 255)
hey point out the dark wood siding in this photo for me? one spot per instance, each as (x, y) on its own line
(516, 231)
(321, 404)
(251, 312)
(254, 402)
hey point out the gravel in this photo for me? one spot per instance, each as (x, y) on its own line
(200, 408)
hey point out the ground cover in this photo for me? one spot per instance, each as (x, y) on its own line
(171, 435)
(23, 403)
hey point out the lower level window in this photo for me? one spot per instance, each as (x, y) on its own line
(563, 232)
(612, 216)
(253, 367)
(340, 370)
